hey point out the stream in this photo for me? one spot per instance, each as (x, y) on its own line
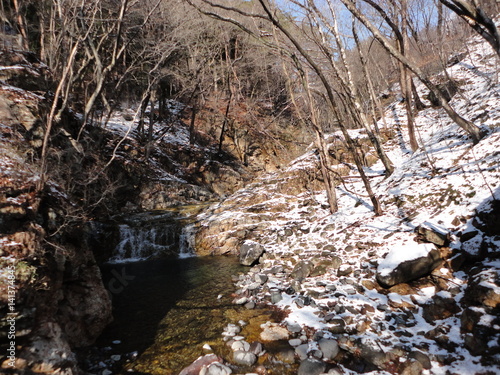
(167, 302)
(167, 311)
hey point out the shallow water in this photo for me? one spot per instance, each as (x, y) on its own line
(166, 310)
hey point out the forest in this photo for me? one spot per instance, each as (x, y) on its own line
(344, 153)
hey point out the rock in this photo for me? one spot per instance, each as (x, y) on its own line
(216, 368)
(241, 301)
(447, 89)
(439, 307)
(256, 348)
(286, 356)
(250, 305)
(412, 367)
(476, 343)
(338, 326)
(301, 270)
(250, 252)
(260, 278)
(470, 318)
(295, 342)
(408, 263)
(433, 233)
(276, 296)
(294, 327)
(422, 358)
(302, 351)
(273, 332)
(344, 270)
(311, 367)
(330, 348)
(240, 346)
(203, 362)
(244, 358)
(484, 287)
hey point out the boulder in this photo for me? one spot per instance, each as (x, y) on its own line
(273, 332)
(433, 233)
(407, 263)
(250, 252)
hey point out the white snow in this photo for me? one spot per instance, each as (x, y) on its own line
(410, 251)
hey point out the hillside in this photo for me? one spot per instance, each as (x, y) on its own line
(322, 269)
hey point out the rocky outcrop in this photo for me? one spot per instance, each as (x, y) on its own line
(60, 301)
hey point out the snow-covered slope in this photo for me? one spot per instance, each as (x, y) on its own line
(323, 266)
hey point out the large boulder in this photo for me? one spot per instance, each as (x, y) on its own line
(408, 263)
(250, 252)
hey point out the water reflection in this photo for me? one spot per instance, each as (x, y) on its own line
(167, 309)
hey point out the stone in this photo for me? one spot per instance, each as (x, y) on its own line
(274, 332)
(276, 296)
(412, 367)
(433, 233)
(337, 326)
(241, 301)
(439, 307)
(244, 358)
(250, 305)
(302, 351)
(344, 270)
(250, 252)
(470, 317)
(256, 348)
(240, 345)
(295, 342)
(294, 327)
(330, 348)
(203, 362)
(311, 367)
(216, 368)
(286, 356)
(301, 270)
(408, 263)
(421, 357)
(261, 278)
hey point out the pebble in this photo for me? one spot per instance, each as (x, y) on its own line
(295, 342)
(116, 357)
(241, 301)
(116, 342)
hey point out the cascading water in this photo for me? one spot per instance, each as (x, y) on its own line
(187, 241)
(156, 234)
(138, 243)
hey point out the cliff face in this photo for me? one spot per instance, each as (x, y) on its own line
(51, 295)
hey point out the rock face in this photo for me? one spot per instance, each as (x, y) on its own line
(60, 300)
(403, 265)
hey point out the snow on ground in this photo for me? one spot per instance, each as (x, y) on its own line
(442, 184)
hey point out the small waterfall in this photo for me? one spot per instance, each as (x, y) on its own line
(140, 243)
(187, 241)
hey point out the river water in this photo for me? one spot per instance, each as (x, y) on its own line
(166, 310)
(169, 303)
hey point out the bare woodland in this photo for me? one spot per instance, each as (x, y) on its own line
(321, 65)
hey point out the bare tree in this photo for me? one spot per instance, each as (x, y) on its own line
(473, 14)
(471, 129)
